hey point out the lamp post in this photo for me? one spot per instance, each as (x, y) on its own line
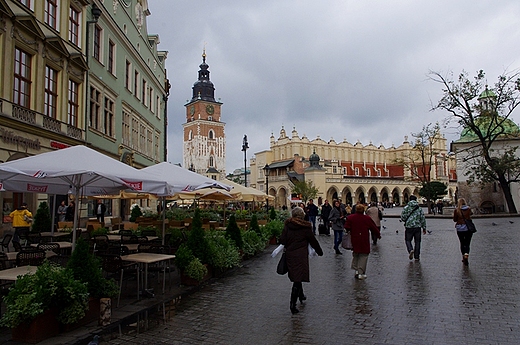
(266, 172)
(245, 146)
(96, 13)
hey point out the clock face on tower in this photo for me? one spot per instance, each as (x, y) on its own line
(210, 109)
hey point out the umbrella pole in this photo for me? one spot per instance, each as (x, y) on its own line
(76, 212)
(53, 215)
(163, 207)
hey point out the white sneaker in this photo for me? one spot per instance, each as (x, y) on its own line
(362, 276)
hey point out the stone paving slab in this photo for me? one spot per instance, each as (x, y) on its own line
(434, 301)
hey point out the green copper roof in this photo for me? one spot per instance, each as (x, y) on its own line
(487, 94)
(507, 127)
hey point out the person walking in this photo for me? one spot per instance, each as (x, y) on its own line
(325, 213)
(62, 211)
(359, 225)
(21, 223)
(463, 212)
(414, 220)
(337, 219)
(312, 212)
(296, 237)
(375, 212)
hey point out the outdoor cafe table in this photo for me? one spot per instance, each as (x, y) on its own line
(11, 256)
(118, 237)
(63, 245)
(54, 235)
(147, 258)
(14, 273)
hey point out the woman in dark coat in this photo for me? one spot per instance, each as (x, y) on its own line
(360, 226)
(296, 237)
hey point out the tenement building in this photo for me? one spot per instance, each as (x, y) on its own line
(80, 72)
(349, 172)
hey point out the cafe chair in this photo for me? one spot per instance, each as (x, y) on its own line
(17, 246)
(126, 232)
(34, 238)
(148, 232)
(164, 267)
(30, 257)
(144, 247)
(114, 266)
(51, 246)
(5, 242)
(128, 239)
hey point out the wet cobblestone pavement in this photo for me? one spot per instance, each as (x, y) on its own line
(434, 301)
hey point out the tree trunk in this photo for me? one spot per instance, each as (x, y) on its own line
(506, 189)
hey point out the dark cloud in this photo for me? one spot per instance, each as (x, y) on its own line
(343, 69)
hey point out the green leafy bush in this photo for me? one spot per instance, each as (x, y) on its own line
(272, 214)
(275, 227)
(87, 269)
(254, 224)
(183, 257)
(99, 231)
(233, 232)
(197, 241)
(196, 270)
(253, 243)
(49, 287)
(224, 254)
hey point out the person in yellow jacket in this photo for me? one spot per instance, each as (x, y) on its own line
(20, 224)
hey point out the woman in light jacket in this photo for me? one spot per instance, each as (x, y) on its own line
(462, 212)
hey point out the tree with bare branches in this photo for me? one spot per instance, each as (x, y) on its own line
(484, 114)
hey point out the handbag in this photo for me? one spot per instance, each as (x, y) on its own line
(346, 242)
(27, 219)
(469, 224)
(282, 265)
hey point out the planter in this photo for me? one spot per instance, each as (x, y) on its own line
(91, 314)
(273, 240)
(189, 281)
(42, 327)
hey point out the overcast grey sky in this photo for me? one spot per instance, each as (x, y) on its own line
(331, 68)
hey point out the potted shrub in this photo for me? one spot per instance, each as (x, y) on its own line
(224, 254)
(233, 232)
(134, 213)
(42, 219)
(195, 273)
(275, 227)
(87, 269)
(197, 241)
(39, 302)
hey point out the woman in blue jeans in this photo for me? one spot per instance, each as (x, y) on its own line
(337, 219)
(463, 212)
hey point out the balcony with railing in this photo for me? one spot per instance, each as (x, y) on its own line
(36, 119)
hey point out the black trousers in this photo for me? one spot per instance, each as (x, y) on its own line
(465, 241)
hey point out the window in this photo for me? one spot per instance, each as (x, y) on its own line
(211, 134)
(97, 43)
(128, 68)
(356, 171)
(126, 128)
(142, 137)
(108, 118)
(143, 93)
(51, 92)
(95, 108)
(22, 78)
(136, 83)
(149, 142)
(211, 162)
(368, 172)
(26, 3)
(378, 172)
(73, 103)
(190, 135)
(334, 169)
(135, 133)
(157, 142)
(74, 20)
(51, 9)
(150, 99)
(111, 55)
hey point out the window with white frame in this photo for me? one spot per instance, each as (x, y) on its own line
(27, 3)
(126, 128)
(128, 69)
(143, 93)
(211, 134)
(368, 172)
(378, 172)
(22, 78)
(156, 146)
(73, 109)
(97, 43)
(74, 24)
(150, 99)
(356, 171)
(142, 138)
(135, 133)
(136, 83)
(50, 92)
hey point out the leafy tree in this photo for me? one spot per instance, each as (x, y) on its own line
(42, 219)
(305, 189)
(488, 122)
(433, 190)
(420, 160)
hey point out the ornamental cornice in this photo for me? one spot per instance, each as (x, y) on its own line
(367, 181)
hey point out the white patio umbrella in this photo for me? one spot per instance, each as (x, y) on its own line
(78, 170)
(181, 180)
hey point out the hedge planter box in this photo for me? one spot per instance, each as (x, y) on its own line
(91, 315)
(189, 281)
(44, 326)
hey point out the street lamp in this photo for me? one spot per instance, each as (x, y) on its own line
(245, 146)
(266, 171)
(96, 13)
